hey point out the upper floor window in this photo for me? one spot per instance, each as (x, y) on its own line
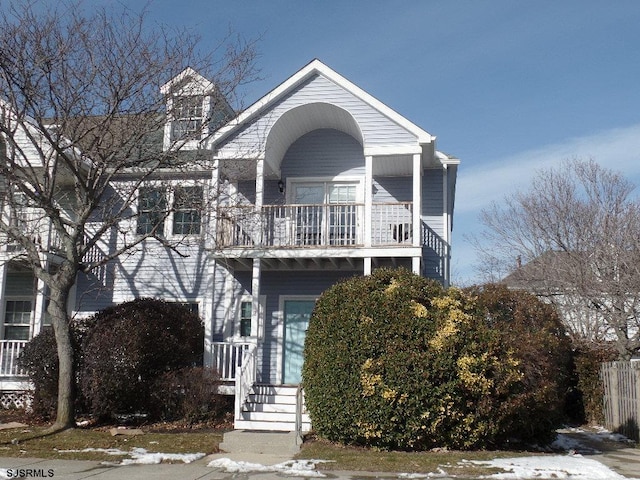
(187, 215)
(188, 117)
(184, 217)
(152, 210)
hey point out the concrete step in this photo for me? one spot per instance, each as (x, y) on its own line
(269, 407)
(263, 426)
(272, 399)
(269, 443)
(273, 416)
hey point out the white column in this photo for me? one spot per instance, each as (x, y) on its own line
(367, 223)
(367, 266)
(446, 223)
(368, 199)
(255, 278)
(417, 210)
(255, 298)
(213, 202)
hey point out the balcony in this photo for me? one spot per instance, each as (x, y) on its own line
(324, 225)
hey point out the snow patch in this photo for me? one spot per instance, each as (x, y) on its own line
(140, 456)
(303, 468)
(574, 467)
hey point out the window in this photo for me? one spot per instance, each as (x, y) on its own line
(152, 210)
(17, 319)
(188, 117)
(245, 319)
(187, 215)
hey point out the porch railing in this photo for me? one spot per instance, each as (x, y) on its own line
(9, 352)
(227, 358)
(245, 379)
(314, 225)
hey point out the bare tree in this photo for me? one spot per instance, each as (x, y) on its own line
(81, 109)
(574, 238)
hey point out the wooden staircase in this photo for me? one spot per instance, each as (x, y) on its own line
(271, 408)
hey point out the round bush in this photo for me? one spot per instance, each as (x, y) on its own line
(132, 345)
(392, 360)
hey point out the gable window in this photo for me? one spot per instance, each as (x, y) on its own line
(152, 210)
(188, 117)
(187, 215)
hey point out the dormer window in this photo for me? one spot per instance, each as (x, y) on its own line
(188, 118)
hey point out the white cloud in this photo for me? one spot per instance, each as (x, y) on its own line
(479, 186)
(617, 149)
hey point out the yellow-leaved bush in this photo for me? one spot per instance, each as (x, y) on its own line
(395, 361)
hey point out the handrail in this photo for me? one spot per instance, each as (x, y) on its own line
(299, 404)
(245, 379)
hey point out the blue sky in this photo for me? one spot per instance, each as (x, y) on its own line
(507, 86)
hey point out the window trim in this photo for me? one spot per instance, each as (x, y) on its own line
(29, 325)
(167, 225)
(189, 113)
(257, 331)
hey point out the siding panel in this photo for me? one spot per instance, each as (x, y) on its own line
(376, 128)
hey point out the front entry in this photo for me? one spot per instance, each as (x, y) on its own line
(296, 321)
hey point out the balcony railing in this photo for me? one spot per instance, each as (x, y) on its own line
(9, 352)
(326, 225)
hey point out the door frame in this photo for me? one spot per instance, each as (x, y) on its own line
(280, 350)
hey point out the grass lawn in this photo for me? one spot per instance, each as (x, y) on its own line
(361, 459)
(32, 442)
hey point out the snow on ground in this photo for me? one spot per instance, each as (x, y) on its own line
(574, 467)
(140, 456)
(301, 468)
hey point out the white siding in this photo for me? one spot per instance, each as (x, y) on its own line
(376, 128)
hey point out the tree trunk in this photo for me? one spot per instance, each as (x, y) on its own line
(65, 416)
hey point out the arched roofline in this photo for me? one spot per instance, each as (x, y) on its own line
(304, 119)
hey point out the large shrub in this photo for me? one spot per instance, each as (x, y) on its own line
(131, 346)
(533, 333)
(588, 359)
(40, 360)
(393, 360)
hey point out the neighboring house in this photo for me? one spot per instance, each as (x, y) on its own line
(555, 278)
(315, 182)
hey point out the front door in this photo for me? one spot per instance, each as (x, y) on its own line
(296, 321)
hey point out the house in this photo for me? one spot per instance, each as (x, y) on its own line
(314, 182)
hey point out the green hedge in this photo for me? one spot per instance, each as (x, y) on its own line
(393, 360)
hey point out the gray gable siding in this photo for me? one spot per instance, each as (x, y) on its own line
(392, 189)
(323, 153)
(376, 128)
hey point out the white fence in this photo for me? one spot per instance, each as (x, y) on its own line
(621, 382)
